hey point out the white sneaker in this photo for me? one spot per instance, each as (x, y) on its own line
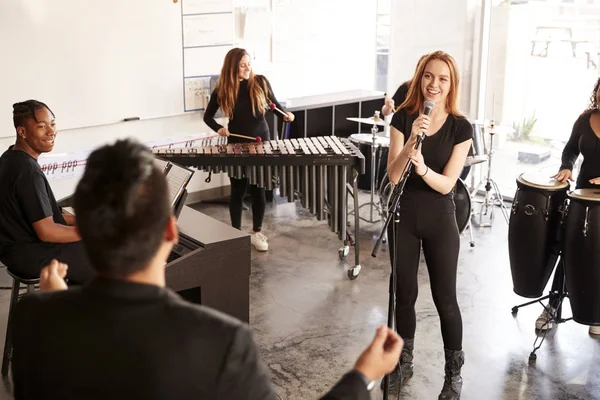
(546, 321)
(259, 241)
(594, 330)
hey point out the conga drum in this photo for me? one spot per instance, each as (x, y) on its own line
(581, 255)
(533, 232)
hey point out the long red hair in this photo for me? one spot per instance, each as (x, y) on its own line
(228, 85)
(414, 97)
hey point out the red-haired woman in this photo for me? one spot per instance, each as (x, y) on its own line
(243, 98)
(427, 210)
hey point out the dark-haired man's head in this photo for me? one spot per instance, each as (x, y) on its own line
(123, 212)
(35, 126)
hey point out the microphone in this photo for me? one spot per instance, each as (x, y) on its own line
(428, 106)
(273, 107)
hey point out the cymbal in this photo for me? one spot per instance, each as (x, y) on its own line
(368, 121)
(475, 160)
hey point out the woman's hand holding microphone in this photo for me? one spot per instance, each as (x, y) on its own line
(419, 126)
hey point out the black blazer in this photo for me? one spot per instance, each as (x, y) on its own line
(115, 339)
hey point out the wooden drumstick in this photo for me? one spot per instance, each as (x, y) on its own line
(394, 110)
(256, 139)
(273, 107)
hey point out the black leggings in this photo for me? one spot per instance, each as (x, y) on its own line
(259, 202)
(432, 225)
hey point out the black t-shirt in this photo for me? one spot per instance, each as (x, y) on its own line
(401, 93)
(436, 149)
(583, 141)
(244, 122)
(25, 198)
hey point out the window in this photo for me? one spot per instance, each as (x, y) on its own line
(542, 66)
(382, 44)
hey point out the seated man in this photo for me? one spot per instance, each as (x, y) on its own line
(33, 229)
(124, 335)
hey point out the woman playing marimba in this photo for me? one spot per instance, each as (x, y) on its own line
(243, 97)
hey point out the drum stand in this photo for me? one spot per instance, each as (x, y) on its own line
(490, 199)
(555, 316)
(374, 174)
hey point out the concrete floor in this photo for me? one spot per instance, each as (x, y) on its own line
(311, 321)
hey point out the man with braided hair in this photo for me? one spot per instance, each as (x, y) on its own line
(33, 228)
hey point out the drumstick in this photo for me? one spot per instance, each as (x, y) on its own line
(394, 110)
(273, 107)
(258, 138)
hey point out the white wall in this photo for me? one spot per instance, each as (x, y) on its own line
(423, 26)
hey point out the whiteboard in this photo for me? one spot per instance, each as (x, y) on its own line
(93, 62)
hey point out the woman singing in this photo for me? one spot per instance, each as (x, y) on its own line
(243, 98)
(584, 140)
(427, 210)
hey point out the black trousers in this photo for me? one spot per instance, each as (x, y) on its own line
(27, 260)
(429, 223)
(236, 199)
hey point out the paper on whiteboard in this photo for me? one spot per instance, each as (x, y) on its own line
(64, 165)
(206, 6)
(257, 24)
(202, 61)
(207, 30)
(197, 92)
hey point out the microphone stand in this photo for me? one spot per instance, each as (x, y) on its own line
(394, 212)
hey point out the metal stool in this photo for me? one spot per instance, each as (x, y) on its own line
(14, 297)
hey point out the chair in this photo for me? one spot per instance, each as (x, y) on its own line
(14, 297)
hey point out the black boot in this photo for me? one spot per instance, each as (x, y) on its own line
(453, 381)
(404, 370)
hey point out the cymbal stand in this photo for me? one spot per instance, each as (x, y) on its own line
(374, 206)
(491, 198)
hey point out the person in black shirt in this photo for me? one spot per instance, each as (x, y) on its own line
(427, 209)
(398, 98)
(124, 335)
(33, 229)
(584, 140)
(243, 98)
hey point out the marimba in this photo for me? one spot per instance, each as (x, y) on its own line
(320, 171)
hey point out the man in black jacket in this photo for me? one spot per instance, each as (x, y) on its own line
(124, 335)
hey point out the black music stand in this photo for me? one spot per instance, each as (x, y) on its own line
(560, 295)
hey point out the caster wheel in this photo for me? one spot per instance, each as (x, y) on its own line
(532, 357)
(343, 252)
(472, 244)
(353, 273)
(515, 310)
